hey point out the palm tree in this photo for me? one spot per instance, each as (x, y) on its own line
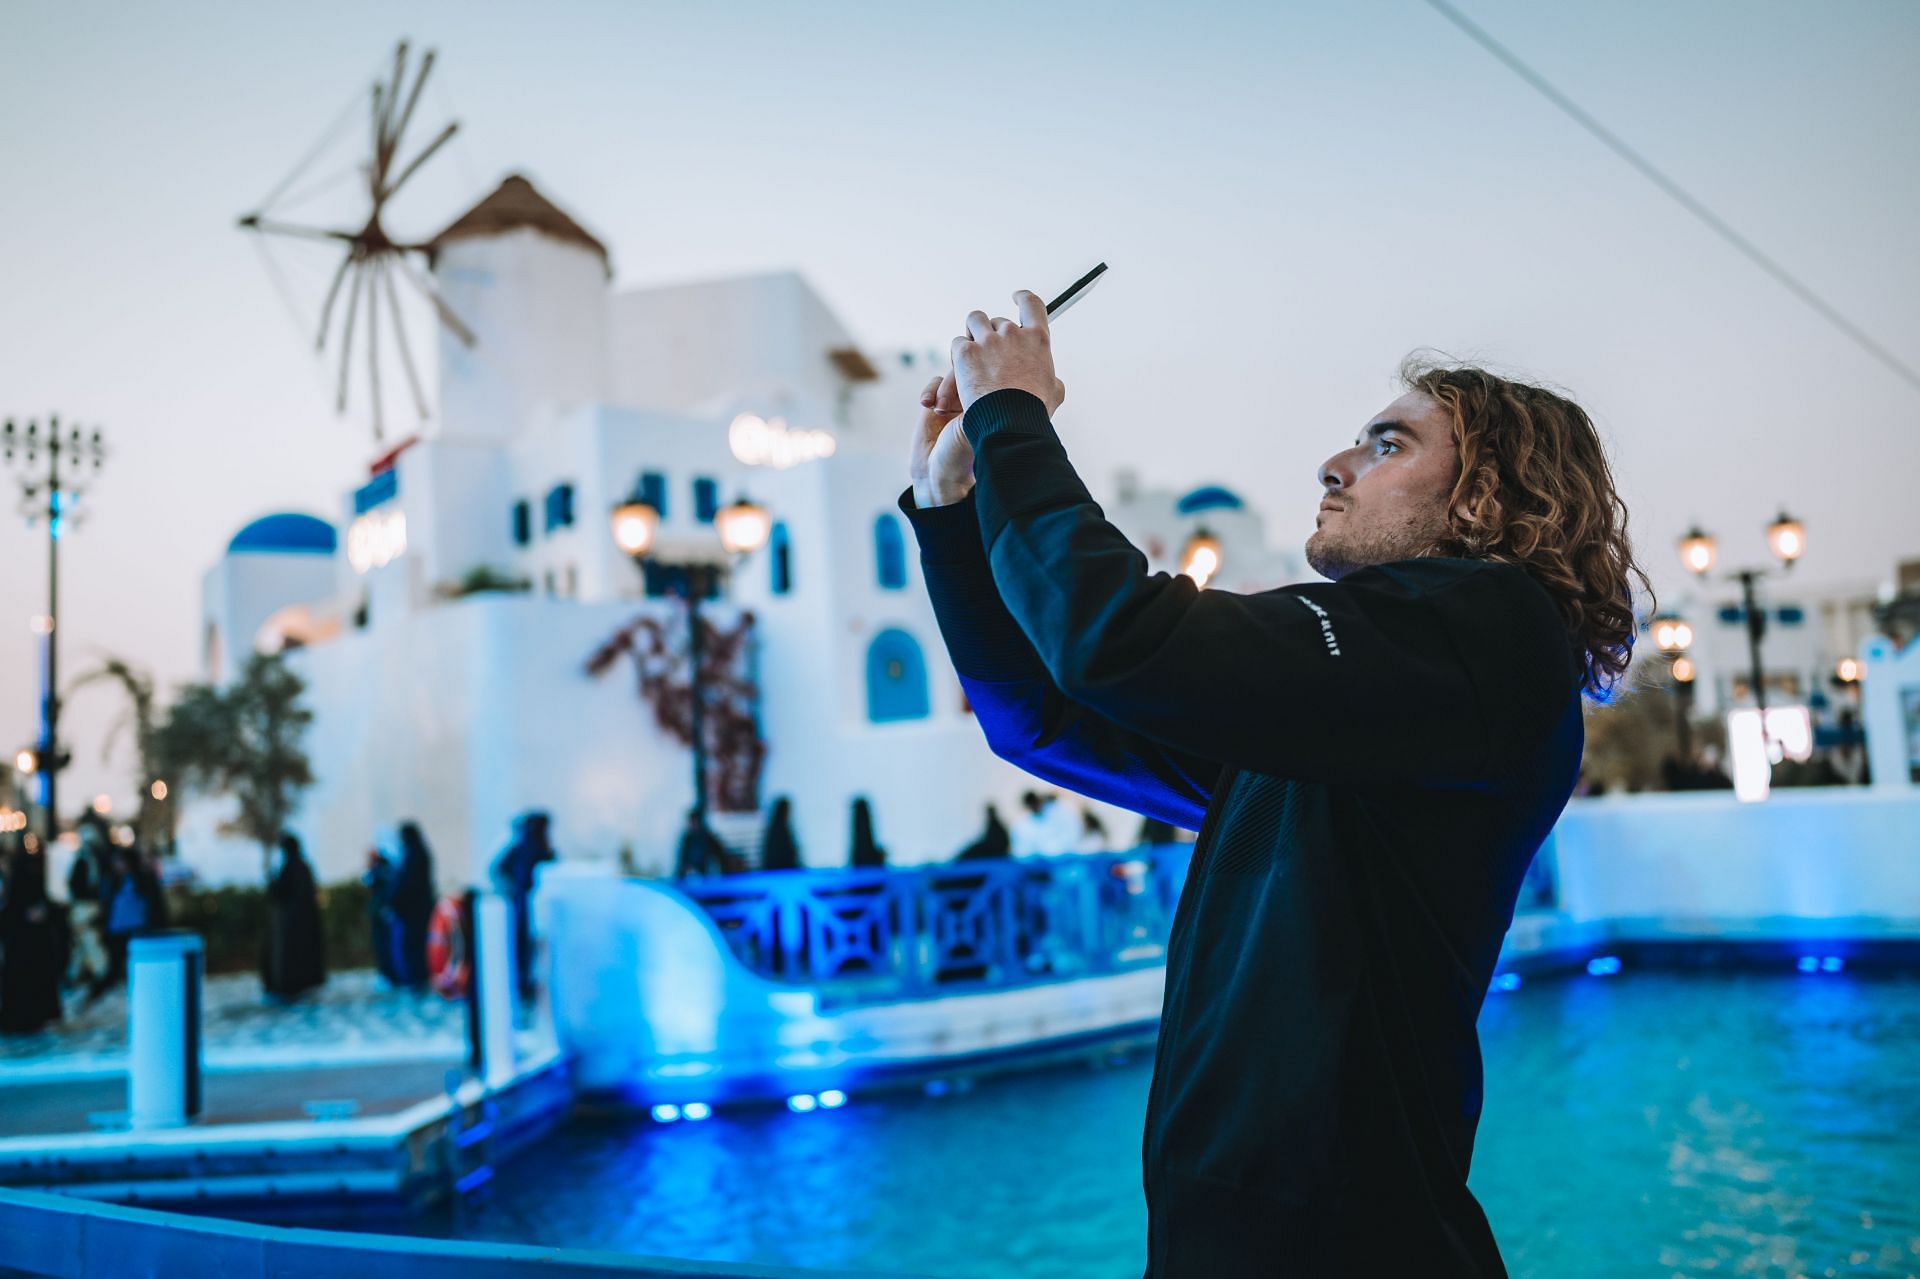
(155, 820)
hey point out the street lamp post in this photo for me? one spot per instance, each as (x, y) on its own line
(744, 528)
(52, 498)
(1201, 557)
(1673, 636)
(1787, 538)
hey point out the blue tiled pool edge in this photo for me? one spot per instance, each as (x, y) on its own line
(55, 1237)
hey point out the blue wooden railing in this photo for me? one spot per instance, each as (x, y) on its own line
(940, 929)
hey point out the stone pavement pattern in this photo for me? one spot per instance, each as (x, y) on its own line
(352, 1011)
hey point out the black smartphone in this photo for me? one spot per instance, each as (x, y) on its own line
(1075, 291)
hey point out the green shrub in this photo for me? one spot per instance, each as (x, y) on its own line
(232, 923)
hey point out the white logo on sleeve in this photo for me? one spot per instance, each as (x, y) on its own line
(1326, 625)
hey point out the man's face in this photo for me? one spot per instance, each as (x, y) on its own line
(1386, 497)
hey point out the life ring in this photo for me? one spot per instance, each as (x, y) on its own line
(449, 958)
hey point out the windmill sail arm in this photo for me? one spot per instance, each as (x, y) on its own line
(440, 307)
(439, 141)
(254, 222)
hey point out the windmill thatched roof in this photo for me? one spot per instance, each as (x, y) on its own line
(512, 205)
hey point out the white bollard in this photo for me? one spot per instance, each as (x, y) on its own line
(493, 970)
(163, 1029)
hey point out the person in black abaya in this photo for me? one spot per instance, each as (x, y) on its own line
(779, 850)
(513, 875)
(995, 841)
(413, 902)
(30, 934)
(295, 960)
(866, 853)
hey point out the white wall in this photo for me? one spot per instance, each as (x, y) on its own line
(538, 309)
(241, 591)
(1705, 863)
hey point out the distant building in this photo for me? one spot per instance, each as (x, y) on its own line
(442, 698)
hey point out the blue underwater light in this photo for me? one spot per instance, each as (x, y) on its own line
(802, 1103)
(666, 1114)
(1507, 981)
(695, 1110)
(1831, 964)
(1603, 965)
(833, 1099)
(1808, 964)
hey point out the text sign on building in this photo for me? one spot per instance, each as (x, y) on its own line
(757, 441)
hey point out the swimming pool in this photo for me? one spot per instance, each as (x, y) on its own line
(1644, 1123)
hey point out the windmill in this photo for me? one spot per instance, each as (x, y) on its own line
(372, 259)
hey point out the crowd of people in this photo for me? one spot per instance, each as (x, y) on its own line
(53, 951)
(49, 948)
(1048, 826)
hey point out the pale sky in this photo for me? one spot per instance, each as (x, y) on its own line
(1291, 197)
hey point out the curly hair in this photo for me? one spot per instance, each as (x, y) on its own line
(1535, 490)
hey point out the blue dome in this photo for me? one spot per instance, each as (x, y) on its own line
(287, 532)
(1210, 497)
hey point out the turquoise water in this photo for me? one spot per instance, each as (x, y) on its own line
(1697, 1124)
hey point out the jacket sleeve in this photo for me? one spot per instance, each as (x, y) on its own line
(1359, 680)
(1026, 718)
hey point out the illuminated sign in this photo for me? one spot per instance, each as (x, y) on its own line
(375, 539)
(759, 442)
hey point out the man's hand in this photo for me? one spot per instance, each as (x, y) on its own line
(941, 461)
(999, 354)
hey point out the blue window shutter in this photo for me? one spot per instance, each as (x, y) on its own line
(522, 522)
(780, 557)
(706, 499)
(653, 491)
(889, 553)
(896, 678)
(559, 507)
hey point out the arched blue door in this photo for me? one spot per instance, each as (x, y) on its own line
(896, 678)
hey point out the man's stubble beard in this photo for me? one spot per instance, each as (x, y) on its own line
(1335, 552)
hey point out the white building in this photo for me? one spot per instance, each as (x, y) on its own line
(461, 710)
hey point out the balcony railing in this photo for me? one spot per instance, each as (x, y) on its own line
(872, 935)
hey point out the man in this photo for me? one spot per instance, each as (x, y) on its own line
(1370, 763)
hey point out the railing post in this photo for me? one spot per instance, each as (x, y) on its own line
(163, 1031)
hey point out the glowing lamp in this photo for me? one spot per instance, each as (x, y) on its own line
(1672, 634)
(1698, 550)
(158, 790)
(1788, 538)
(744, 527)
(1847, 671)
(1683, 671)
(1201, 559)
(26, 762)
(634, 524)
(103, 804)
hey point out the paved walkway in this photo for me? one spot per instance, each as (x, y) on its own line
(351, 1016)
(231, 1097)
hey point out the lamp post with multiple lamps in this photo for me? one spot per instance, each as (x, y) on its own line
(1787, 538)
(744, 528)
(50, 496)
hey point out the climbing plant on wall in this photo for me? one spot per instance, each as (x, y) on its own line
(735, 750)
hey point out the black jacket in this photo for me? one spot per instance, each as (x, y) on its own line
(1370, 764)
